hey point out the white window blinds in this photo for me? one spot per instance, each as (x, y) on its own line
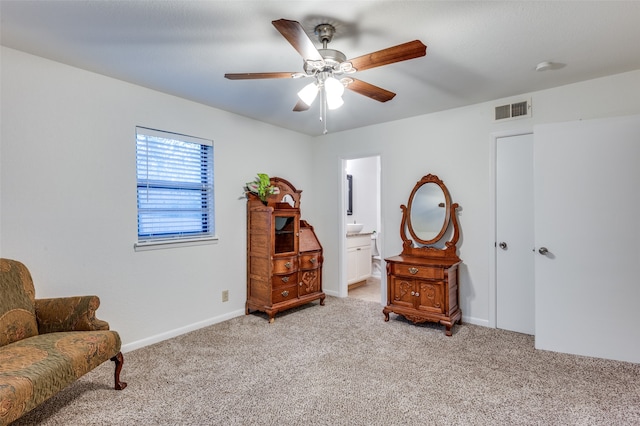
(175, 186)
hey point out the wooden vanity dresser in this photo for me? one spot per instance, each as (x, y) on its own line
(422, 281)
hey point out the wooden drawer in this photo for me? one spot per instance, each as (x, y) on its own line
(309, 260)
(285, 265)
(285, 293)
(417, 271)
(284, 280)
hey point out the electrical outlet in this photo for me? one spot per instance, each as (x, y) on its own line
(225, 295)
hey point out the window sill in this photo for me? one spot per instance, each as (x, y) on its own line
(167, 244)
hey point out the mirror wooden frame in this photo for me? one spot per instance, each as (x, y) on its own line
(424, 248)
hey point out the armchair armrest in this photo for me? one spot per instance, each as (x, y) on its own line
(68, 314)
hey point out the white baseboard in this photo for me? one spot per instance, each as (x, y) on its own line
(331, 293)
(195, 326)
(475, 321)
(178, 331)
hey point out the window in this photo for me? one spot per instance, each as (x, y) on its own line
(175, 187)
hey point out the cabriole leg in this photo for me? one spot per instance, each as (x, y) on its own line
(119, 360)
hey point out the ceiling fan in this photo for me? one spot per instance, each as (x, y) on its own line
(331, 69)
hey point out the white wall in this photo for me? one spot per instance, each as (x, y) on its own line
(68, 193)
(67, 179)
(456, 145)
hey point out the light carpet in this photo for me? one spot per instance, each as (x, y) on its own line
(341, 364)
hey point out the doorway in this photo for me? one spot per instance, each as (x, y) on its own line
(362, 270)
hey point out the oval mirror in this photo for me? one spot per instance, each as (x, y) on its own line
(428, 213)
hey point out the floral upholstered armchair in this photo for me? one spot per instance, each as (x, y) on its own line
(46, 344)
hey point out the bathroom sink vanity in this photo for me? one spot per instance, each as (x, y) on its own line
(358, 258)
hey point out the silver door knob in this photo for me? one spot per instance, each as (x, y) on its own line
(503, 245)
(543, 250)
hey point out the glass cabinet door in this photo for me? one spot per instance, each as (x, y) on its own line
(286, 231)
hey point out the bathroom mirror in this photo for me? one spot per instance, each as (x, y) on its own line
(349, 199)
(428, 216)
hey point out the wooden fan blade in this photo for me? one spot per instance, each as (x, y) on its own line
(295, 34)
(300, 106)
(367, 89)
(257, 75)
(401, 52)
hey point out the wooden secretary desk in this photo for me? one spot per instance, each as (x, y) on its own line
(422, 281)
(284, 256)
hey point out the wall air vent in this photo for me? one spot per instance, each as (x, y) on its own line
(520, 109)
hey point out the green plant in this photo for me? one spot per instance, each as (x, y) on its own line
(262, 187)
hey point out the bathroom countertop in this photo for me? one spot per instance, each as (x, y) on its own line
(356, 234)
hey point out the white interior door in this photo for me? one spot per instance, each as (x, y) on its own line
(587, 214)
(514, 234)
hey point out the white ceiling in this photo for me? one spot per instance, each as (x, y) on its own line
(476, 51)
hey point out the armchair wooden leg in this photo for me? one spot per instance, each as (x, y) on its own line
(119, 360)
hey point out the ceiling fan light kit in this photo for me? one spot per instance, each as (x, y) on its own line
(333, 90)
(308, 93)
(330, 67)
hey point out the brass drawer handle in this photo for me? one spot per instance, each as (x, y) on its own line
(413, 271)
(287, 265)
(313, 260)
(285, 279)
(285, 293)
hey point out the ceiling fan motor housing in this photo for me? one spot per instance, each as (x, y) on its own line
(332, 60)
(325, 33)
